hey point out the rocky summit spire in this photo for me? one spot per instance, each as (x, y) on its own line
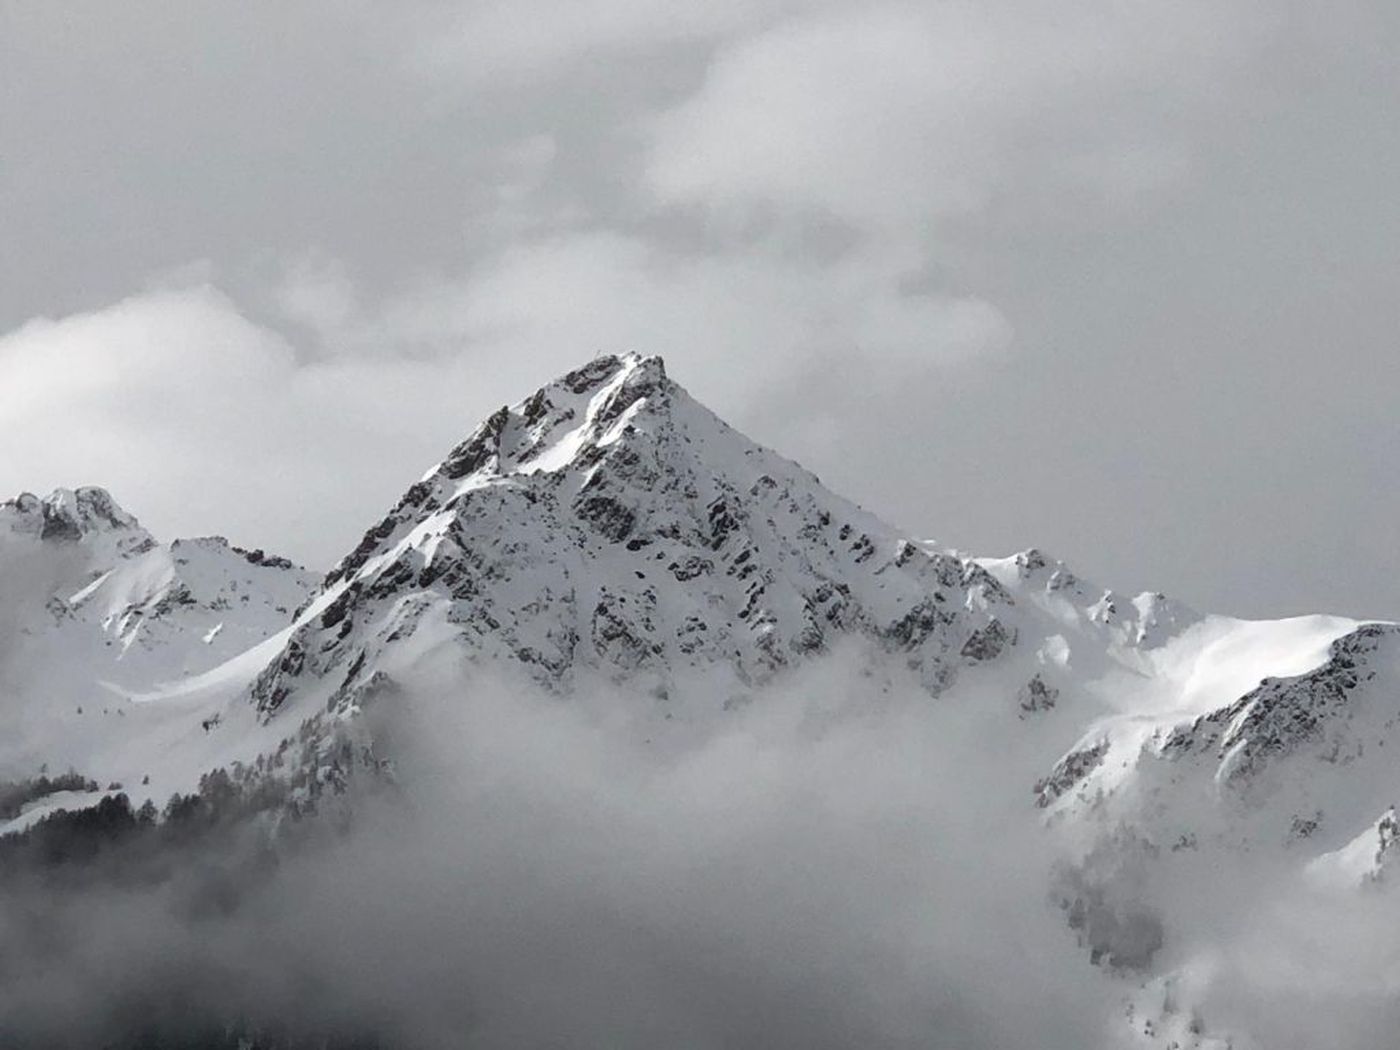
(569, 424)
(574, 416)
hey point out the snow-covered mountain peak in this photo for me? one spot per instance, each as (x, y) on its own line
(87, 516)
(566, 420)
(611, 522)
(564, 429)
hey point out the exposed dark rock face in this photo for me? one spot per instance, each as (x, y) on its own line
(1069, 772)
(1037, 695)
(71, 516)
(1284, 715)
(989, 642)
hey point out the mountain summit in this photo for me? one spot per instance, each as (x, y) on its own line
(609, 522)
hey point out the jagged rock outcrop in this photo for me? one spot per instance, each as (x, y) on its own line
(87, 518)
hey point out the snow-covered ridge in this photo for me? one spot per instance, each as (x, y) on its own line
(207, 589)
(98, 566)
(1144, 621)
(1306, 755)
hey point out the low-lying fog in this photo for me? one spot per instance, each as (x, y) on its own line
(836, 864)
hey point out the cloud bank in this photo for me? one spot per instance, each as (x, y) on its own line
(818, 872)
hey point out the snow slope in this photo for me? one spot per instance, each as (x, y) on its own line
(98, 616)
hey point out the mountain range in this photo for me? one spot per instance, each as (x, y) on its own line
(610, 530)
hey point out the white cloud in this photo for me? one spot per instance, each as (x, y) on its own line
(317, 293)
(525, 163)
(965, 165)
(730, 323)
(200, 420)
(491, 38)
(903, 114)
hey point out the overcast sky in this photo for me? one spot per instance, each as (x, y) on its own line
(1120, 280)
